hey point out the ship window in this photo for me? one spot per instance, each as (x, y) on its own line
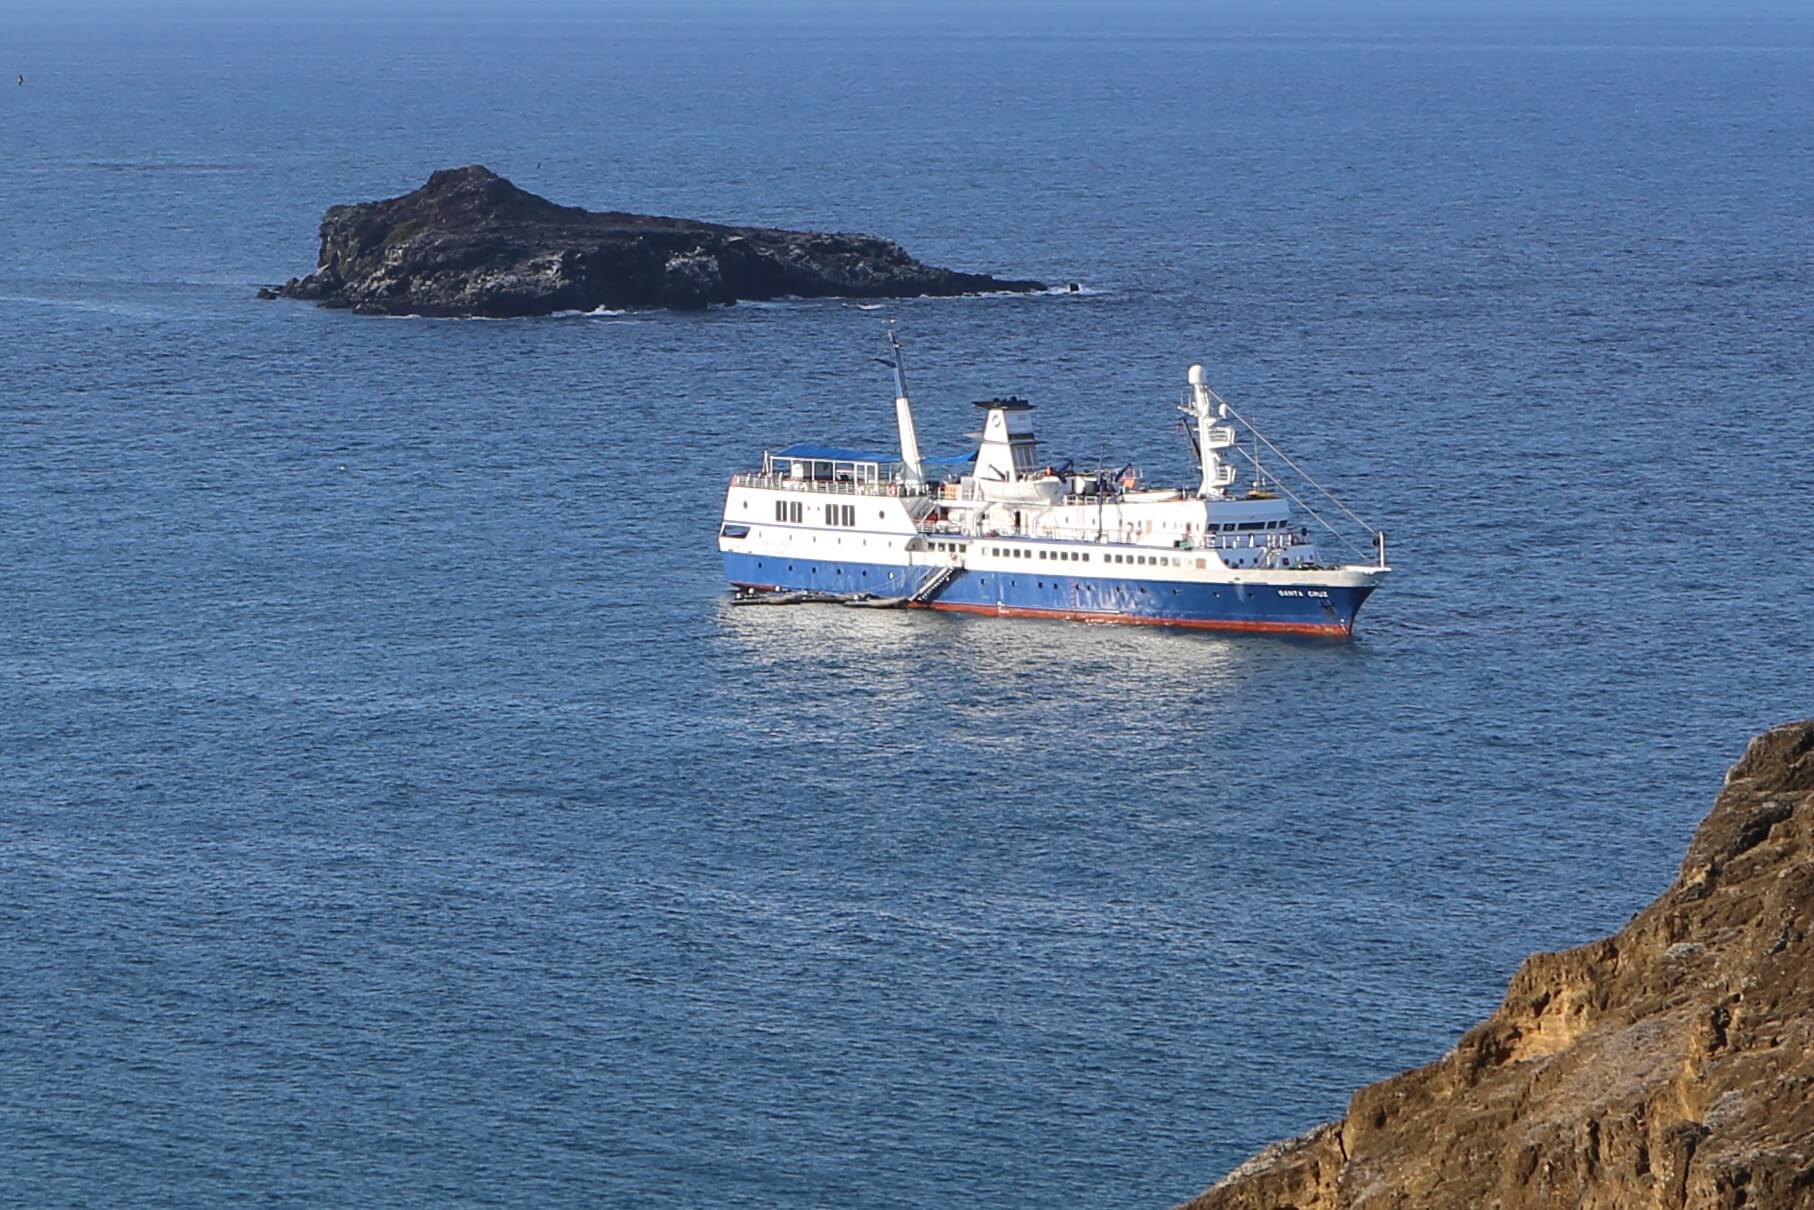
(780, 510)
(795, 509)
(1086, 557)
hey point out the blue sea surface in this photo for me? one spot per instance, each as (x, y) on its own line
(395, 813)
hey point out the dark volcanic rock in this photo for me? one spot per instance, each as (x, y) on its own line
(1669, 1067)
(471, 243)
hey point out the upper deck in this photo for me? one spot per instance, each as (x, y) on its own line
(804, 467)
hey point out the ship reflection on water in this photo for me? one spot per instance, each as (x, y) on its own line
(997, 682)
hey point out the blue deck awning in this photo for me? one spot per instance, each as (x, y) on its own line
(838, 453)
(833, 453)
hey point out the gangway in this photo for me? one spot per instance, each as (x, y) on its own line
(934, 584)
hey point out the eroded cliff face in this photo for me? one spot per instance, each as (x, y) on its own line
(1669, 1067)
(471, 243)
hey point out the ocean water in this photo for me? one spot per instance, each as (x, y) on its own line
(396, 814)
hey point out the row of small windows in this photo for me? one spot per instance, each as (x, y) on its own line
(1021, 552)
(1143, 560)
(789, 512)
(1245, 525)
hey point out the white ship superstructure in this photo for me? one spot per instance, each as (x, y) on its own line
(1005, 531)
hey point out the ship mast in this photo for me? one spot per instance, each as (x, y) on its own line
(914, 475)
(1212, 438)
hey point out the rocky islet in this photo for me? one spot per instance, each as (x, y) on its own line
(470, 243)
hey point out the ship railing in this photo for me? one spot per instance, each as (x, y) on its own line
(1130, 536)
(844, 487)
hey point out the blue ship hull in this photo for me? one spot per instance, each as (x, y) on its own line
(1328, 609)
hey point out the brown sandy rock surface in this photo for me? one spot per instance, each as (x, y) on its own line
(1669, 1067)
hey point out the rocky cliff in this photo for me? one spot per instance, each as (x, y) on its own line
(1670, 1066)
(471, 243)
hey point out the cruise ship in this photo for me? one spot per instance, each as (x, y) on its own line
(1010, 532)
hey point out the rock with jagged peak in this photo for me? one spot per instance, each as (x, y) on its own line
(1669, 1067)
(471, 243)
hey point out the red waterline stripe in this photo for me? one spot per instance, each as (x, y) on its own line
(1068, 615)
(1323, 629)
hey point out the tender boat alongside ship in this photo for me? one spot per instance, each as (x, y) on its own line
(1005, 531)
